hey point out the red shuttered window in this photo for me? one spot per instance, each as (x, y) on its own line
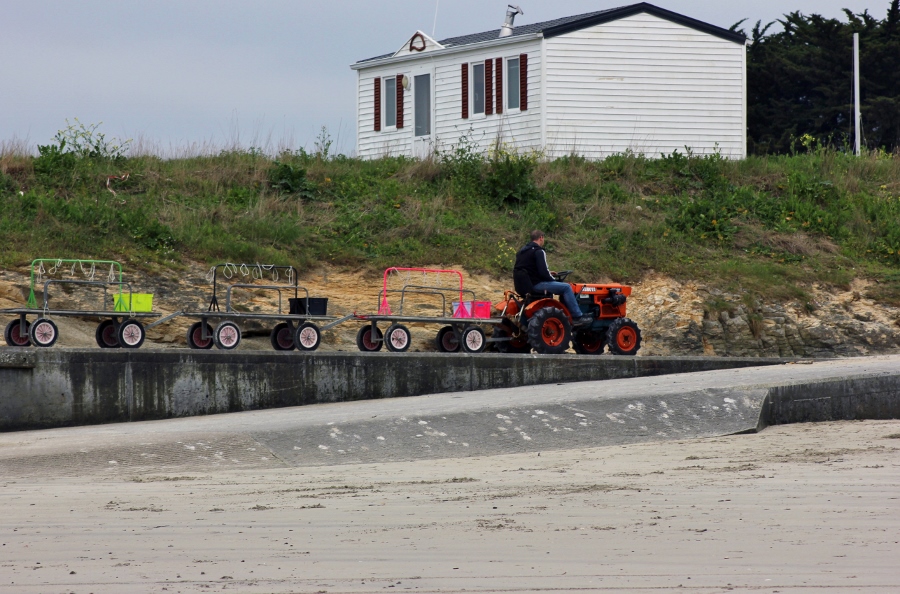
(488, 87)
(378, 105)
(465, 91)
(498, 86)
(399, 101)
(523, 82)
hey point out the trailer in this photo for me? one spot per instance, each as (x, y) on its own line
(119, 327)
(462, 323)
(296, 325)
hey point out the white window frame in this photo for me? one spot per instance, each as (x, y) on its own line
(472, 78)
(385, 112)
(507, 86)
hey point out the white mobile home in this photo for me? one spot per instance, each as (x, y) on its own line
(636, 78)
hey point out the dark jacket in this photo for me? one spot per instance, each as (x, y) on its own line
(531, 268)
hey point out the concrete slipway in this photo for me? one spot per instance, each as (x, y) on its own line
(553, 415)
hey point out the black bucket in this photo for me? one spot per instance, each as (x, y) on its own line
(318, 306)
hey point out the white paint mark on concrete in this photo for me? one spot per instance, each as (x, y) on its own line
(380, 438)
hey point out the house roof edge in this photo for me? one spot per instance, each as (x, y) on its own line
(627, 11)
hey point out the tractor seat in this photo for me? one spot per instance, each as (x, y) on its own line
(532, 297)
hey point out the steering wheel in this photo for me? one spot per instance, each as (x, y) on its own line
(562, 274)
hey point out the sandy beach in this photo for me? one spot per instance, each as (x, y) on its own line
(798, 508)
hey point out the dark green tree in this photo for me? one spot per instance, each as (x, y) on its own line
(800, 81)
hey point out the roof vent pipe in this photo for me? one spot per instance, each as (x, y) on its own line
(507, 29)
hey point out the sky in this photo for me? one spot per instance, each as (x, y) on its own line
(182, 76)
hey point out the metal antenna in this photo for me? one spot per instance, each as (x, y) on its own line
(434, 28)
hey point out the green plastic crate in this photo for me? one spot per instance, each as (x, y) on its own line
(139, 302)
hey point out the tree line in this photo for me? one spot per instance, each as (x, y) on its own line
(800, 82)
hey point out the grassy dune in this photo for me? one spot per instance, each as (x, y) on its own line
(768, 225)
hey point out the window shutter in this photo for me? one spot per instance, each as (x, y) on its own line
(465, 91)
(399, 101)
(378, 105)
(488, 87)
(523, 82)
(498, 90)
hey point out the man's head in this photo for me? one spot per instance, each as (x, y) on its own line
(538, 237)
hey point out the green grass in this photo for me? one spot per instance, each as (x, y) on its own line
(768, 225)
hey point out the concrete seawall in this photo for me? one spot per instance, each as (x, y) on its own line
(63, 387)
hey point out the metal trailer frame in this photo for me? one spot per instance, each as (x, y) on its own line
(227, 335)
(123, 326)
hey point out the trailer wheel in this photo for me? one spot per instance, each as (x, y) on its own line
(14, 336)
(397, 339)
(106, 335)
(195, 336)
(446, 340)
(131, 334)
(368, 343)
(307, 337)
(227, 336)
(624, 337)
(43, 333)
(282, 337)
(589, 343)
(549, 332)
(473, 340)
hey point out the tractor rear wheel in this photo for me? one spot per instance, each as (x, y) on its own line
(549, 332)
(589, 343)
(623, 337)
(515, 344)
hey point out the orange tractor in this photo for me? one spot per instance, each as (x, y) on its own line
(543, 323)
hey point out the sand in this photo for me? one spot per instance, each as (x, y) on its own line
(799, 508)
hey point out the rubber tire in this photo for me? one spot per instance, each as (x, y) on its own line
(364, 342)
(302, 335)
(623, 337)
(195, 332)
(400, 334)
(549, 324)
(446, 341)
(42, 328)
(473, 340)
(508, 346)
(23, 341)
(589, 343)
(107, 329)
(127, 331)
(280, 335)
(221, 336)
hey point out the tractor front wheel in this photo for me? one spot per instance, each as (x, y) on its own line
(623, 337)
(549, 332)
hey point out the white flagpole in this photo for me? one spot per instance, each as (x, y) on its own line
(857, 115)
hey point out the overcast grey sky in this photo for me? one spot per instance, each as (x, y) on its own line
(267, 73)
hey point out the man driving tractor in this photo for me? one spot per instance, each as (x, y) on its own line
(532, 274)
